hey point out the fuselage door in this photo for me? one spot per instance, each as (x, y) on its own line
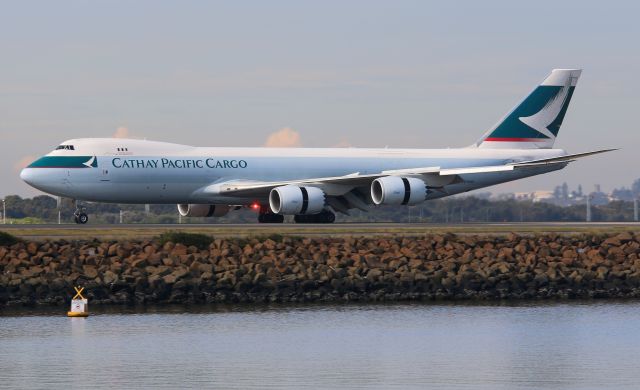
(104, 176)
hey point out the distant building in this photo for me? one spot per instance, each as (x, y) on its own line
(563, 196)
(534, 196)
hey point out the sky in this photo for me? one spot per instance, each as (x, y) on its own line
(318, 74)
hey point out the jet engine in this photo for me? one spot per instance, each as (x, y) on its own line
(292, 199)
(396, 190)
(203, 210)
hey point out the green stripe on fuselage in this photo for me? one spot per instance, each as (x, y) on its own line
(65, 162)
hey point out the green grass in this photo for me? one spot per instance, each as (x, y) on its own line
(260, 232)
(25, 221)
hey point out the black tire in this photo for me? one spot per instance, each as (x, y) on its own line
(329, 217)
(270, 218)
(323, 217)
(83, 218)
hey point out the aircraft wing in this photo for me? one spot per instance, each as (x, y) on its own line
(258, 188)
(562, 159)
(521, 164)
(339, 185)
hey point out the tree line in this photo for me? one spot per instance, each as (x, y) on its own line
(45, 209)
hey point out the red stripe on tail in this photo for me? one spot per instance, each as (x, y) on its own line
(500, 139)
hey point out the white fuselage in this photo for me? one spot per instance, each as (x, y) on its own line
(140, 171)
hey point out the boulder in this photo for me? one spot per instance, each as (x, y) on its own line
(32, 248)
(180, 273)
(169, 279)
(90, 271)
(113, 250)
(374, 274)
(109, 277)
(140, 263)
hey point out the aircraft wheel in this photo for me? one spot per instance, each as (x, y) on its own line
(329, 217)
(300, 218)
(82, 218)
(323, 217)
(270, 218)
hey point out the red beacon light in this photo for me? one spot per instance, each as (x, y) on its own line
(255, 206)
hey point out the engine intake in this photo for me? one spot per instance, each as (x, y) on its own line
(396, 190)
(203, 210)
(292, 199)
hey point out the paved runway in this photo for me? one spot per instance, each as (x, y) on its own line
(123, 231)
(366, 225)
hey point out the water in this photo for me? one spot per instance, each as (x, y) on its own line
(557, 345)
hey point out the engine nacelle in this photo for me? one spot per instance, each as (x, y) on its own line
(203, 210)
(396, 190)
(290, 199)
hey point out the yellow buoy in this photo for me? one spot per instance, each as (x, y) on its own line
(79, 305)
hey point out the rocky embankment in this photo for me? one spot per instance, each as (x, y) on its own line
(323, 269)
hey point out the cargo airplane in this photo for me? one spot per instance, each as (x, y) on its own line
(311, 184)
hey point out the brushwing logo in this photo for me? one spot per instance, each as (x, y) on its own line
(541, 120)
(91, 163)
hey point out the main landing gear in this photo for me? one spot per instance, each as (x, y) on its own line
(266, 216)
(80, 216)
(324, 217)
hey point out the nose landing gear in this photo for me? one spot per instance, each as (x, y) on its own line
(80, 216)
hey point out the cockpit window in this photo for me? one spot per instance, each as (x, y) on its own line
(65, 147)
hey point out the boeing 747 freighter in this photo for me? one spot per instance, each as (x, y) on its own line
(309, 183)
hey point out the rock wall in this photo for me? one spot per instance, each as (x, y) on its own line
(324, 269)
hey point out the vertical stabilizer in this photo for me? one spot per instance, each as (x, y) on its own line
(535, 122)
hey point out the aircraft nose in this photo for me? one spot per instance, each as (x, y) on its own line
(27, 175)
(47, 180)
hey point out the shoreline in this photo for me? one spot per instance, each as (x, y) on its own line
(431, 267)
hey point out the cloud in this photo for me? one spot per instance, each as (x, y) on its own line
(121, 132)
(23, 162)
(284, 138)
